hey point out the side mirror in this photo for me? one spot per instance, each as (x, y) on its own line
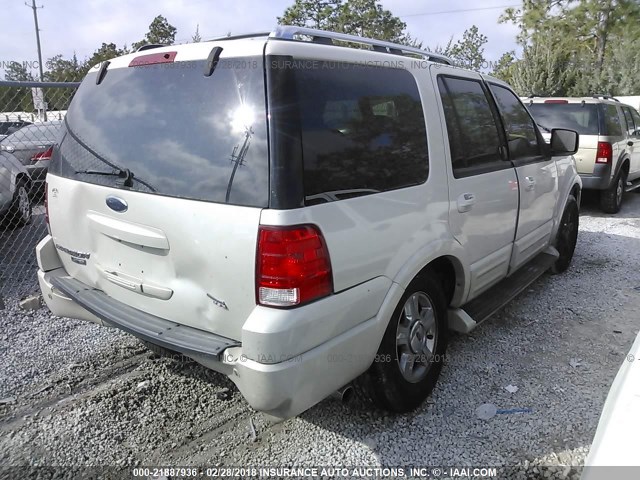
(563, 142)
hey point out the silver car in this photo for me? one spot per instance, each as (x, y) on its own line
(32, 145)
(15, 182)
(609, 156)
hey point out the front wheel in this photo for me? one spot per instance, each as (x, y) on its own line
(411, 353)
(567, 235)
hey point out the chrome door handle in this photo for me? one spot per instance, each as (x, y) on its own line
(529, 183)
(465, 202)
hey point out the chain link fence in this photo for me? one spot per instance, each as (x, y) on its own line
(30, 117)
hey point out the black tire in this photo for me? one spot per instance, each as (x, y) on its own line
(611, 198)
(384, 384)
(19, 213)
(567, 235)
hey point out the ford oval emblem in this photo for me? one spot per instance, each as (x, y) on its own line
(117, 204)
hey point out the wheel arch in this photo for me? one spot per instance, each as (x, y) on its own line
(444, 261)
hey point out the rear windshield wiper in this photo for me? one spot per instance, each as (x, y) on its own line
(123, 173)
(126, 174)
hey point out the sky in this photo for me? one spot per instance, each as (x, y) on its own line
(80, 27)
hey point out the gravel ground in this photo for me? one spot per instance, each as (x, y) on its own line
(86, 395)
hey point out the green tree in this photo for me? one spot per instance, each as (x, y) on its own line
(107, 51)
(365, 18)
(196, 38)
(160, 32)
(60, 69)
(592, 40)
(503, 69)
(14, 99)
(543, 70)
(319, 14)
(469, 51)
(17, 72)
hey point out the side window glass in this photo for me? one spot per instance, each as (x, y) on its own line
(474, 140)
(612, 121)
(521, 131)
(629, 119)
(636, 121)
(363, 131)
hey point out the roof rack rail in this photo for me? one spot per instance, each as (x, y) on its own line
(605, 97)
(239, 36)
(149, 46)
(288, 32)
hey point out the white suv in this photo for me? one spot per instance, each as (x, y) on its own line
(298, 214)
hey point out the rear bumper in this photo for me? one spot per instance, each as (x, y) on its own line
(268, 372)
(600, 179)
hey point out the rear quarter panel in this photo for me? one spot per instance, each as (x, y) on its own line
(394, 233)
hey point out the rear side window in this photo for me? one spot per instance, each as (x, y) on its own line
(363, 130)
(636, 120)
(580, 117)
(178, 132)
(471, 126)
(611, 121)
(629, 119)
(521, 132)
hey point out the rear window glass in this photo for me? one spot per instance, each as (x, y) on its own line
(178, 132)
(581, 117)
(363, 130)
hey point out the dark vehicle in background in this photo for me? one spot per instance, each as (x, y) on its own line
(15, 183)
(33, 145)
(9, 127)
(609, 156)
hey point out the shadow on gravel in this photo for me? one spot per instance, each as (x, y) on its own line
(590, 205)
(561, 342)
(185, 367)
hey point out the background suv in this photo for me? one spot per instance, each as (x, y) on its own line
(609, 156)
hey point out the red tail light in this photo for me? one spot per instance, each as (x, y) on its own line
(604, 153)
(46, 155)
(292, 266)
(556, 101)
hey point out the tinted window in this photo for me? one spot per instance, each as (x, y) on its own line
(363, 130)
(581, 117)
(636, 121)
(473, 135)
(180, 133)
(629, 119)
(611, 120)
(521, 132)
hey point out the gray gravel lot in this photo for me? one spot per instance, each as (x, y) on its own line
(86, 395)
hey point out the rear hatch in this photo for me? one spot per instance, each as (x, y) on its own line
(582, 117)
(157, 185)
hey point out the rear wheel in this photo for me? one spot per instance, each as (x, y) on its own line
(567, 235)
(20, 212)
(611, 198)
(411, 354)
